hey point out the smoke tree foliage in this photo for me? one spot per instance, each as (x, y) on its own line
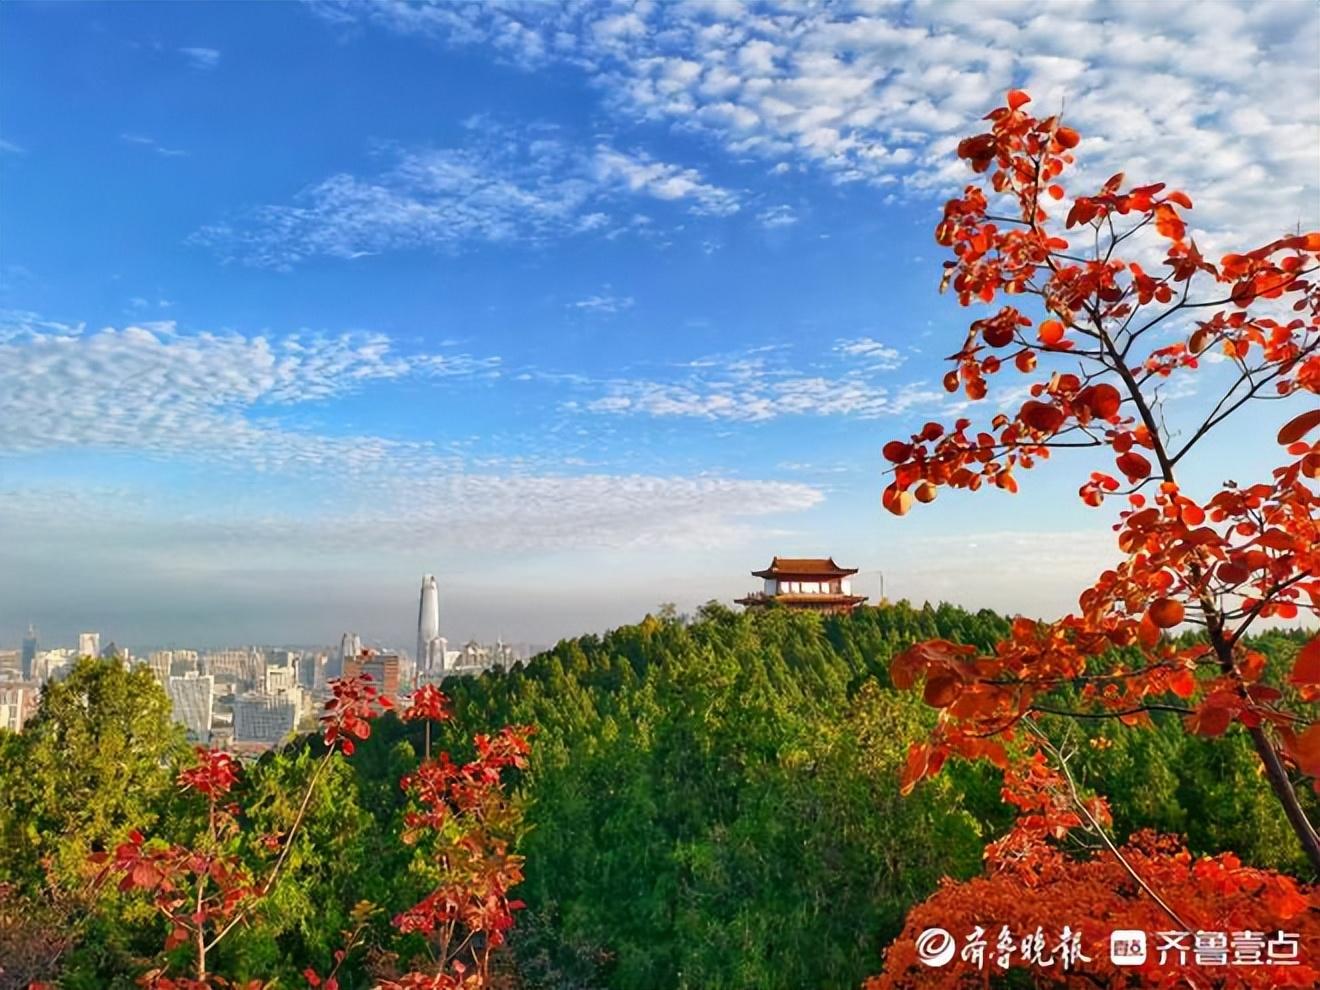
(461, 819)
(1116, 331)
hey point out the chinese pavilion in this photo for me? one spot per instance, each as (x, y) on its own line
(811, 583)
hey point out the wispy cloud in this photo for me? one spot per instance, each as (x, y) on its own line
(153, 144)
(154, 389)
(875, 354)
(1213, 98)
(777, 216)
(639, 173)
(497, 189)
(202, 58)
(222, 400)
(605, 304)
(10, 148)
(759, 386)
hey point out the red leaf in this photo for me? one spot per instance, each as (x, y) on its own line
(896, 501)
(942, 689)
(1104, 400)
(1306, 669)
(897, 451)
(1017, 98)
(1166, 612)
(1299, 426)
(1211, 720)
(1183, 684)
(1051, 332)
(1041, 417)
(1134, 465)
(1168, 223)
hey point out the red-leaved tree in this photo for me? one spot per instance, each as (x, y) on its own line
(464, 820)
(1109, 327)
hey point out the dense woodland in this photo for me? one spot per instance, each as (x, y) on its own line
(712, 802)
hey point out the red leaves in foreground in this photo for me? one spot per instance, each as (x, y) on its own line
(428, 702)
(349, 713)
(462, 818)
(1219, 564)
(1097, 896)
(1097, 308)
(465, 821)
(215, 774)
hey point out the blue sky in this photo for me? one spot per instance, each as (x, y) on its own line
(582, 308)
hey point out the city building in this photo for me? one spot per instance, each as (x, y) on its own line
(160, 662)
(113, 651)
(383, 668)
(813, 584)
(89, 644)
(243, 666)
(172, 663)
(29, 657)
(309, 666)
(52, 665)
(264, 718)
(431, 647)
(18, 701)
(350, 645)
(280, 679)
(193, 699)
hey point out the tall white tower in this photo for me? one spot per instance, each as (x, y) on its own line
(428, 624)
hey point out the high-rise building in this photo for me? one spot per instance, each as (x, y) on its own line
(280, 679)
(89, 644)
(428, 626)
(52, 665)
(18, 701)
(307, 670)
(264, 718)
(382, 668)
(244, 667)
(350, 645)
(29, 653)
(192, 697)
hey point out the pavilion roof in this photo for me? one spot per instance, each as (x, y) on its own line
(804, 567)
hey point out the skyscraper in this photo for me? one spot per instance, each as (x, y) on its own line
(29, 653)
(350, 645)
(89, 644)
(428, 624)
(192, 696)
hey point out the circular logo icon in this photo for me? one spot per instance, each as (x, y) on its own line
(935, 947)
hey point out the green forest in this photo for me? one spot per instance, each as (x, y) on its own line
(711, 802)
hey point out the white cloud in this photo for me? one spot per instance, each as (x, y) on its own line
(153, 144)
(498, 189)
(230, 403)
(202, 58)
(1214, 98)
(638, 173)
(485, 512)
(604, 304)
(873, 352)
(777, 216)
(153, 389)
(754, 387)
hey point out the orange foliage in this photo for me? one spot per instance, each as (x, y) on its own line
(1247, 553)
(1238, 908)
